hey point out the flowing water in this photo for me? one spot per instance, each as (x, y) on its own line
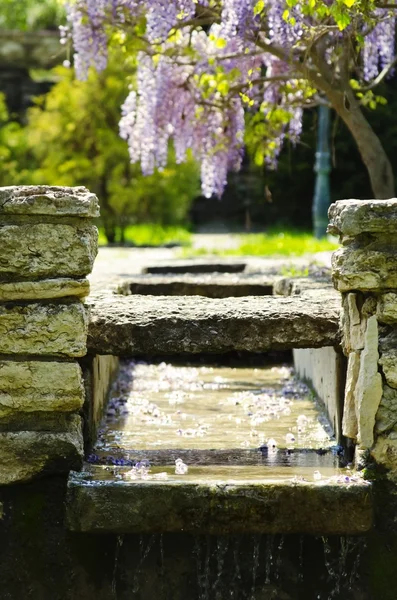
(224, 424)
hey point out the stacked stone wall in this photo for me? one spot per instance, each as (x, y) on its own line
(47, 248)
(365, 272)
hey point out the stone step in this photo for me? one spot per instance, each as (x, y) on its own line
(216, 500)
(167, 325)
(223, 285)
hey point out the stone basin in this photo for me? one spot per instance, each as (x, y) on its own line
(216, 500)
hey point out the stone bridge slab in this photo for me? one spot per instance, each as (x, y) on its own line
(157, 325)
(212, 505)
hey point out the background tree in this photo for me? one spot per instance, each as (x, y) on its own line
(28, 15)
(73, 140)
(202, 62)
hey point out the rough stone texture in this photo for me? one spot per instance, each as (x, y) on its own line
(289, 286)
(388, 359)
(353, 325)
(210, 286)
(218, 507)
(353, 217)
(35, 386)
(39, 250)
(26, 454)
(387, 308)
(324, 370)
(368, 392)
(385, 453)
(349, 421)
(48, 200)
(153, 325)
(386, 417)
(99, 374)
(44, 289)
(46, 329)
(370, 268)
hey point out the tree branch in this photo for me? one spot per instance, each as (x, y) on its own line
(380, 77)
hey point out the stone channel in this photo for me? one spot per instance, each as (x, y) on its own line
(60, 352)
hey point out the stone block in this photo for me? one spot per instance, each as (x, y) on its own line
(368, 392)
(353, 325)
(40, 386)
(27, 454)
(41, 250)
(99, 373)
(46, 329)
(44, 289)
(353, 217)
(387, 308)
(386, 417)
(161, 325)
(388, 358)
(349, 421)
(47, 200)
(369, 268)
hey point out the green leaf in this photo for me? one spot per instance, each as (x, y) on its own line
(259, 7)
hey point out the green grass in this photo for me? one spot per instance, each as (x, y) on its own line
(276, 243)
(152, 235)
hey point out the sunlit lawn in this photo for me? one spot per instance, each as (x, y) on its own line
(151, 235)
(276, 243)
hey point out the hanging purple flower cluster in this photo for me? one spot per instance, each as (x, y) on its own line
(169, 103)
(379, 44)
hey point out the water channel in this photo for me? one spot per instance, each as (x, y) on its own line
(222, 424)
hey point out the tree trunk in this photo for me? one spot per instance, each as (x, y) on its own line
(372, 152)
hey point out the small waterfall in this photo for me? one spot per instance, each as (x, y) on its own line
(300, 571)
(279, 560)
(119, 543)
(144, 552)
(342, 563)
(255, 563)
(222, 544)
(241, 567)
(269, 557)
(237, 579)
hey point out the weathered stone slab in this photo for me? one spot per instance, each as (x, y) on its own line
(217, 507)
(153, 325)
(368, 391)
(353, 217)
(353, 325)
(44, 289)
(48, 200)
(210, 286)
(46, 329)
(366, 269)
(26, 454)
(349, 421)
(324, 370)
(34, 251)
(35, 386)
(99, 374)
(387, 308)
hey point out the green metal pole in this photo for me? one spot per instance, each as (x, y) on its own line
(322, 196)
